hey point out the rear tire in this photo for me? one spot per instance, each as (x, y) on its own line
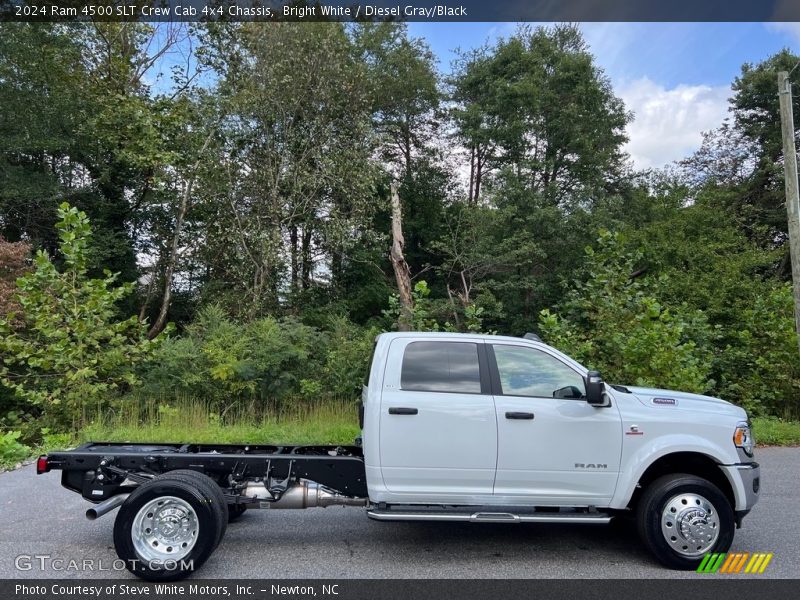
(167, 529)
(681, 518)
(212, 490)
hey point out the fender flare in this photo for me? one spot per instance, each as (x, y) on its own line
(643, 458)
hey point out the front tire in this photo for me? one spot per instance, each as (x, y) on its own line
(681, 518)
(167, 529)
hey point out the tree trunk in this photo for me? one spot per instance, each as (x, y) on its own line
(336, 268)
(481, 160)
(401, 271)
(478, 177)
(472, 174)
(295, 262)
(148, 296)
(456, 318)
(407, 149)
(161, 320)
(305, 258)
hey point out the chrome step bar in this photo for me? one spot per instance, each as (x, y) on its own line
(488, 517)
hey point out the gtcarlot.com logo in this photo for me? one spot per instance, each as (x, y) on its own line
(47, 562)
(735, 562)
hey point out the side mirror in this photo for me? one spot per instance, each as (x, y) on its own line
(594, 388)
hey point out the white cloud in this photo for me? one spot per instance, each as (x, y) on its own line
(668, 123)
(791, 29)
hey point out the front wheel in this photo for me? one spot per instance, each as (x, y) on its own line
(681, 518)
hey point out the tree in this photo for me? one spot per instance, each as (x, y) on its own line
(403, 86)
(537, 104)
(744, 157)
(40, 73)
(82, 124)
(71, 351)
(619, 325)
(699, 255)
(14, 262)
(545, 133)
(188, 179)
(293, 184)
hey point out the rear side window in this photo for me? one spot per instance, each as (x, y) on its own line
(441, 367)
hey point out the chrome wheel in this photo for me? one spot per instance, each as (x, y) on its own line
(690, 524)
(164, 530)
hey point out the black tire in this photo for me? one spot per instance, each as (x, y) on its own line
(653, 504)
(212, 490)
(235, 511)
(204, 540)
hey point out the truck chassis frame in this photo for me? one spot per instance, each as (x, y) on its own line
(99, 471)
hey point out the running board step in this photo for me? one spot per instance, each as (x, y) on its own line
(488, 517)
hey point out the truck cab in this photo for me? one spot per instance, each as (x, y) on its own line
(461, 420)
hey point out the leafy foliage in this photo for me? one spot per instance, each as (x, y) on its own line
(759, 366)
(265, 360)
(71, 348)
(617, 324)
(14, 261)
(250, 207)
(11, 450)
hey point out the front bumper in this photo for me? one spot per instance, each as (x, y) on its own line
(745, 478)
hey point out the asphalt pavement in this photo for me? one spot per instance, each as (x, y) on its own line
(40, 518)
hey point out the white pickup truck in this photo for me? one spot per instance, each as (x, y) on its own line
(455, 427)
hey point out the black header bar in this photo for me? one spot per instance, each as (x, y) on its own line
(705, 587)
(402, 10)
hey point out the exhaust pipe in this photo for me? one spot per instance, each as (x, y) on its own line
(306, 494)
(106, 506)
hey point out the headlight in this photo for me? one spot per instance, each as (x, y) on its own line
(742, 438)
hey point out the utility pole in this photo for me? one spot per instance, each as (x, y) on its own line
(792, 197)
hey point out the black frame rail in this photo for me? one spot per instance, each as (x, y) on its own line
(98, 471)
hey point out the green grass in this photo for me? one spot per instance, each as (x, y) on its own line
(771, 431)
(330, 422)
(189, 420)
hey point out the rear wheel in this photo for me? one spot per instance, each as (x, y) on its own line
(212, 490)
(166, 529)
(682, 517)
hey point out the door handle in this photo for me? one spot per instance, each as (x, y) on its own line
(520, 415)
(401, 410)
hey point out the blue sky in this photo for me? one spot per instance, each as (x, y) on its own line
(671, 53)
(675, 77)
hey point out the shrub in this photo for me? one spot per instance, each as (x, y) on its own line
(759, 366)
(347, 358)
(68, 348)
(266, 360)
(11, 450)
(617, 325)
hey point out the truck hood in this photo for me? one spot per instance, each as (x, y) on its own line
(671, 399)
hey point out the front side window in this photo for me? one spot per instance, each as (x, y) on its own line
(441, 367)
(531, 372)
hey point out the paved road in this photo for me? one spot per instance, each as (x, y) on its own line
(37, 516)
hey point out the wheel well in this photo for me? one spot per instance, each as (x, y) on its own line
(692, 463)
